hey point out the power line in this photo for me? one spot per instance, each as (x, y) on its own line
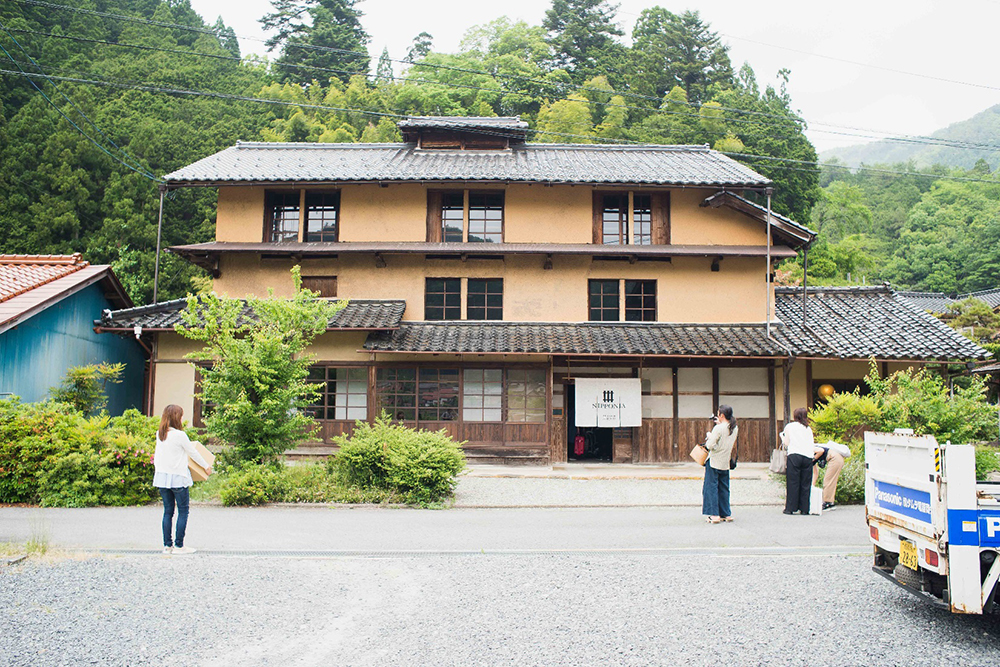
(873, 134)
(246, 98)
(139, 170)
(792, 124)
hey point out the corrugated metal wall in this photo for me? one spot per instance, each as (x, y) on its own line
(36, 353)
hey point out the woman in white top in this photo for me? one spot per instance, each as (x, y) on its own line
(172, 476)
(798, 438)
(715, 489)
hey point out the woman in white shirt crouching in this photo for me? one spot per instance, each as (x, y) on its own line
(172, 476)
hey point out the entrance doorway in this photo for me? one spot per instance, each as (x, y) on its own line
(597, 443)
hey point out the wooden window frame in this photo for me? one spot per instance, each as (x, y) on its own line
(325, 286)
(324, 236)
(445, 294)
(659, 233)
(331, 369)
(644, 309)
(486, 308)
(435, 214)
(602, 309)
(269, 208)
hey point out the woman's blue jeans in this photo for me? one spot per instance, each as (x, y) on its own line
(170, 497)
(715, 493)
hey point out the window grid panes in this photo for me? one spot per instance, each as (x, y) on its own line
(485, 299)
(604, 301)
(283, 216)
(437, 398)
(482, 395)
(614, 220)
(322, 212)
(486, 217)
(396, 389)
(443, 299)
(452, 216)
(642, 219)
(640, 300)
(344, 396)
(526, 395)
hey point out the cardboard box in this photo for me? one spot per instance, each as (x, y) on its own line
(198, 473)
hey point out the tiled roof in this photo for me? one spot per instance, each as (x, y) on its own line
(362, 314)
(782, 227)
(991, 297)
(502, 125)
(748, 340)
(932, 302)
(55, 280)
(862, 322)
(855, 323)
(536, 163)
(21, 273)
(986, 370)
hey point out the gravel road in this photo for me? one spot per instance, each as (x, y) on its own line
(534, 609)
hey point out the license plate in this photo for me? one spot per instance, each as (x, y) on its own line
(908, 554)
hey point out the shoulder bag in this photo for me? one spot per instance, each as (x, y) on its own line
(699, 454)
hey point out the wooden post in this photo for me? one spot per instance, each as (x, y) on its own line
(771, 410)
(786, 387)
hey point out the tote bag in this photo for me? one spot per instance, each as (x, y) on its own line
(779, 461)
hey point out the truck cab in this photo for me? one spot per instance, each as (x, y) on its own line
(935, 530)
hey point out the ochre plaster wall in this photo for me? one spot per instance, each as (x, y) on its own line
(687, 290)
(174, 375)
(533, 214)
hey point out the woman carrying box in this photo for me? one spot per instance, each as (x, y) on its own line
(172, 476)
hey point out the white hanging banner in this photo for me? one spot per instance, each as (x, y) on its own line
(608, 402)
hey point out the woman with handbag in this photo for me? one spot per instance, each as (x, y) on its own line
(798, 439)
(715, 490)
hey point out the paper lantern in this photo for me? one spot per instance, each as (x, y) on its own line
(825, 390)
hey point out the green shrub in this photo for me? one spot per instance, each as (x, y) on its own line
(84, 387)
(987, 461)
(421, 466)
(920, 400)
(253, 485)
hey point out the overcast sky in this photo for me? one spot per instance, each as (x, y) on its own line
(944, 42)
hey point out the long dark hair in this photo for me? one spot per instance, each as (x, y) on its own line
(171, 418)
(801, 415)
(727, 412)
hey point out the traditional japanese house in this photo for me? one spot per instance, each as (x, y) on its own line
(519, 294)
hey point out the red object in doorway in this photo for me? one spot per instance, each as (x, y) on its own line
(578, 443)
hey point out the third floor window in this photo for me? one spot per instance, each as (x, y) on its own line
(465, 217)
(631, 218)
(289, 211)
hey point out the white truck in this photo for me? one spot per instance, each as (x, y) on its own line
(935, 530)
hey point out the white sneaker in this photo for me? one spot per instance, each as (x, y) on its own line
(167, 551)
(183, 551)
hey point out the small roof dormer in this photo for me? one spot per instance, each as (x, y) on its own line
(464, 132)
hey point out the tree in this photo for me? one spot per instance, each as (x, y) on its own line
(420, 47)
(841, 212)
(85, 387)
(582, 36)
(227, 38)
(670, 50)
(568, 120)
(256, 371)
(313, 34)
(383, 73)
(975, 319)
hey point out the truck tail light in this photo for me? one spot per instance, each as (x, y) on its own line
(874, 532)
(931, 557)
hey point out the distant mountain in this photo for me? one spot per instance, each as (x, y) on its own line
(983, 128)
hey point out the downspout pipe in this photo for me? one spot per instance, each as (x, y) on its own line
(767, 299)
(159, 236)
(805, 282)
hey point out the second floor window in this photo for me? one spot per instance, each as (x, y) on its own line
(322, 214)
(325, 286)
(485, 299)
(614, 219)
(282, 216)
(462, 216)
(605, 303)
(443, 299)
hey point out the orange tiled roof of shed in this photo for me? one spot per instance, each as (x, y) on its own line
(22, 273)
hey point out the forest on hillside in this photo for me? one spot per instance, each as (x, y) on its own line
(98, 98)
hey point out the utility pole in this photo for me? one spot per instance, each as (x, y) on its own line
(159, 235)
